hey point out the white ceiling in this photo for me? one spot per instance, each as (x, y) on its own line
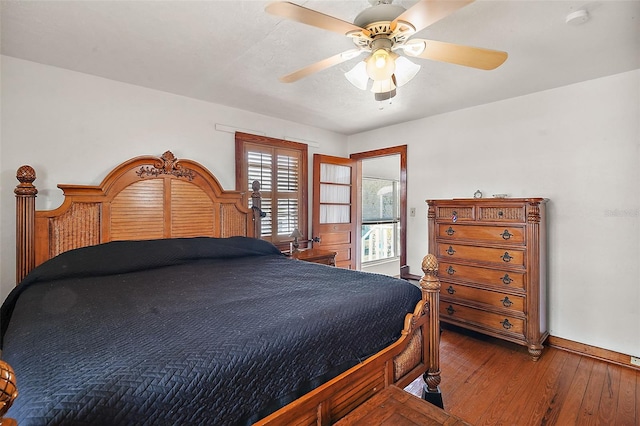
(232, 53)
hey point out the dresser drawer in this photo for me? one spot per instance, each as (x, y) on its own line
(455, 213)
(502, 214)
(485, 276)
(454, 313)
(498, 256)
(493, 234)
(453, 292)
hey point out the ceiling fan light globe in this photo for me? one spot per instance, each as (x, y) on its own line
(414, 48)
(380, 65)
(405, 71)
(384, 86)
(358, 75)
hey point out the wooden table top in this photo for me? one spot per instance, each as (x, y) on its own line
(395, 407)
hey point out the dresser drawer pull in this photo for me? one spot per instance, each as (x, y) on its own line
(506, 257)
(450, 231)
(507, 279)
(500, 213)
(506, 235)
(450, 270)
(450, 310)
(451, 251)
(451, 290)
(506, 302)
(506, 324)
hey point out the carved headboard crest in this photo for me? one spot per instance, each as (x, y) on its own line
(169, 165)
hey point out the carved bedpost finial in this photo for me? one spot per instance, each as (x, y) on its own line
(8, 392)
(25, 175)
(430, 265)
(430, 284)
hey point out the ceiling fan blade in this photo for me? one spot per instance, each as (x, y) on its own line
(321, 65)
(311, 17)
(427, 12)
(475, 57)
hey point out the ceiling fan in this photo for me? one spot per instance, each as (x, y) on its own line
(383, 31)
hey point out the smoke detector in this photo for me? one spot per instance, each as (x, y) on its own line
(578, 17)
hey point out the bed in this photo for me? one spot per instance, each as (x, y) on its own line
(147, 299)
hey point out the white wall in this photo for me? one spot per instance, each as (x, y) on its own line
(74, 128)
(579, 146)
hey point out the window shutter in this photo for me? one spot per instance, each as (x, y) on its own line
(280, 167)
(260, 168)
(288, 179)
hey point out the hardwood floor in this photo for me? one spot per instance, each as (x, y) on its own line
(486, 381)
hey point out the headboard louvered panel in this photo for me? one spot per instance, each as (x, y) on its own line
(200, 219)
(137, 211)
(143, 198)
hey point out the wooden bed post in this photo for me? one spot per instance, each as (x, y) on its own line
(8, 392)
(430, 284)
(256, 206)
(25, 221)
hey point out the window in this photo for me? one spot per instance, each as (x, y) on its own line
(380, 219)
(281, 168)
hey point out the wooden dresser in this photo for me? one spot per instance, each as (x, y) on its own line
(492, 255)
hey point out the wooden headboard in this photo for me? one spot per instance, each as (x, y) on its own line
(143, 198)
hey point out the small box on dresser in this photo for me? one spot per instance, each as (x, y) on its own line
(492, 255)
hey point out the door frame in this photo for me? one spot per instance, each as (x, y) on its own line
(400, 150)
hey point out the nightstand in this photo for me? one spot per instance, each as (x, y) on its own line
(313, 255)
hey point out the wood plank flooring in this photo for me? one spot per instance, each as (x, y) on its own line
(486, 381)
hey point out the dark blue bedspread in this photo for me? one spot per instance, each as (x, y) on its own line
(189, 331)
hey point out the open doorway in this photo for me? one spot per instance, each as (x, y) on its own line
(380, 208)
(383, 210)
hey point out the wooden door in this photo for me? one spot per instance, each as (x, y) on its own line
(336, 209)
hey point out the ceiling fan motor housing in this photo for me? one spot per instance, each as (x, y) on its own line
(380, 13)
(377, 20)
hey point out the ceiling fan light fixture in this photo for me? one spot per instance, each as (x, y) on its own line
(381, 64)
(358, 75)
(384, 86)
(405, 71)
(414, 48)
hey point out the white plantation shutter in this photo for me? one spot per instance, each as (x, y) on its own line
(288, 193)
(280, 170)
(259, 167)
